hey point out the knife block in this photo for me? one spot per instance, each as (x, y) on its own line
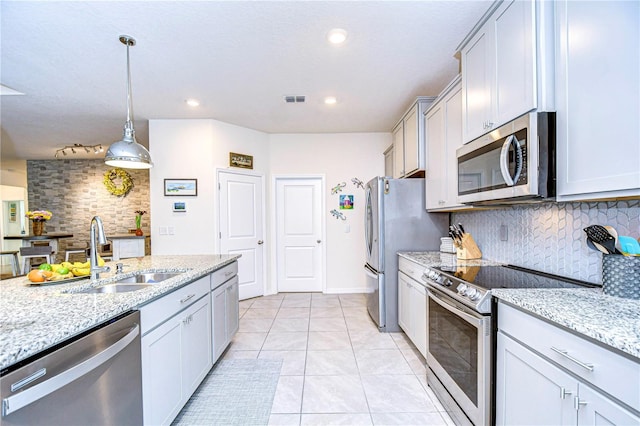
(467, 248)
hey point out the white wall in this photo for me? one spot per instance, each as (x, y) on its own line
(194, 149)
(340, 157)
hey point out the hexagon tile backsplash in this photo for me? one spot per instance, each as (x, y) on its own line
(549, 237)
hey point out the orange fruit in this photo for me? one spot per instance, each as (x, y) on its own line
(36, 276)
(46, 273)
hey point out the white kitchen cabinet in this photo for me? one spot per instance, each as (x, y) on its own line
(443, 128)
(409, 141)
(597, 99)
(412, 304)
(586, 385)
(127, 246)
(388, 161)
(507, 60)
(176, 356)
(225, 308)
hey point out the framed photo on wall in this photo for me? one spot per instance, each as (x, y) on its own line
(181, 187)
(240, 160)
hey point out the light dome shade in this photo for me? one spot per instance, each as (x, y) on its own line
(128, 155)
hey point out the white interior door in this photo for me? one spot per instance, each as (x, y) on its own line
(299, 234)
(242, 227)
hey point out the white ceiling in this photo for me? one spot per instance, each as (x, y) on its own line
(239, 58)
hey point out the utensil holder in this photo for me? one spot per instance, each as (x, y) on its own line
(467, 248)
(621, 276)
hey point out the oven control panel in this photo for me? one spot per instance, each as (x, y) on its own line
(469, 294)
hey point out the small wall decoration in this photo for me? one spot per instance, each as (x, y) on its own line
(346, 202)
(338, 188)
(240, 160)
(181, 187)
(358, 183)
(12, 212)
(110, 179)
(338, 215)
(180, 206)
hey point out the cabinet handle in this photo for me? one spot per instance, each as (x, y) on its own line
(565, 354)
(226, 274)
(564, 392)
(577, 403)
(187, 298)
(489, 124)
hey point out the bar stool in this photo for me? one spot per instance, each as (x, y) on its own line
(29, 253)
(14, 260)
(76, 250)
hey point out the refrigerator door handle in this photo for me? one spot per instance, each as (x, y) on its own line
(26, 397)
(370, 272)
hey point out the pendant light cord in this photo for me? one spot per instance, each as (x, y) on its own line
(129, 105)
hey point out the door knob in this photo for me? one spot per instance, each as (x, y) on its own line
(318, 241)
(260, 242)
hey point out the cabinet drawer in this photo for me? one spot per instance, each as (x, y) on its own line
(131, 248)
(613, 373)
(224, 274)
(164, 308)
(411, 269)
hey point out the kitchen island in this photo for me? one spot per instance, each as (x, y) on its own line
(34, 318)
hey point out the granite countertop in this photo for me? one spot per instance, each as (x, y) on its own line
(609, 320)
(34, 318)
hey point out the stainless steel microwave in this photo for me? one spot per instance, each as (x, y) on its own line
(514, 163)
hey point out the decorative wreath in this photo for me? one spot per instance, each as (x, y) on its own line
(126, 184)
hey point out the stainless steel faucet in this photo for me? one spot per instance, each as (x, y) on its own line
(102, 239)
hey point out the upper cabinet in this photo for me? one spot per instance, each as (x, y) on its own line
(507, 61)
(388, 161)
(408, 141)
(443, 127)
(598, 99)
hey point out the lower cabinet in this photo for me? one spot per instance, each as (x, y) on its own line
(176, 356)
(530, 389)
(225, 315)
(412, 310)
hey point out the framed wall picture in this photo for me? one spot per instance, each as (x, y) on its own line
(346, 202)
(240, 160)
(181, 187)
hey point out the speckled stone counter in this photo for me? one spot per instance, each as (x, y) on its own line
(34, 318)
(609, 320)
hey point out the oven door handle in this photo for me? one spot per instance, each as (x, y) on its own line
(476, 322)
(504, 160)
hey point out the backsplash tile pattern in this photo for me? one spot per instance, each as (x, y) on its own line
(73, 191)
(549, 237)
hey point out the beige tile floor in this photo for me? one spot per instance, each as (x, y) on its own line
(337, 368)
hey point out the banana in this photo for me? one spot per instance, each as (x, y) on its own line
(67, 265)
(80, 272)
(100, 261)
(58, 277)
(55, 267)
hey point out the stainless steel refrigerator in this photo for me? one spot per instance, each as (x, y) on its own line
(395, 220)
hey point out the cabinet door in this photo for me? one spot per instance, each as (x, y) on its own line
(515, 61)
(162, 373)
(419, 317)
(530, 390)
(598, 124)
(411, 141)
(196, 345)
(398, 151)
(133, 247)
(233, 309)
(219, 323)
(453, 141)
(598, 410)
(477, 73)
(404, 307)
(437, 158)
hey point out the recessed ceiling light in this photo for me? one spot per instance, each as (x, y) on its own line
(330, 100)
(337, 36)
(193, 102)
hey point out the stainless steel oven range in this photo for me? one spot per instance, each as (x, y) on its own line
(460, 333)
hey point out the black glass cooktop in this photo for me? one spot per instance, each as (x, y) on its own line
(509, 276)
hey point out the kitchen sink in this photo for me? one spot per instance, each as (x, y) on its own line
(133, 283)
(148, 278)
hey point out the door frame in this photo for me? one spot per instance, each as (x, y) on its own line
(323, 222)
(265, 252)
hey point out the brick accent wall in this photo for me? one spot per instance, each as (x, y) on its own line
(73, 191)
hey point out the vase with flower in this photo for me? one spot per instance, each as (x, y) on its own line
(139, 214)
(38, 218)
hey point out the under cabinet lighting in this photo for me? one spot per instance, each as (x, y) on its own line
(337, 36)
(193, 102)
(330, 100)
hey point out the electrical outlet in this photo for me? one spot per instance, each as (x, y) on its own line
(170, 230)
(162, 230)
(504, 233)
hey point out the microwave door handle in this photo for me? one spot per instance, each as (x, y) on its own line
(504, 160)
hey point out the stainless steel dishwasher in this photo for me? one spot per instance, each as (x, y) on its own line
(94, 379)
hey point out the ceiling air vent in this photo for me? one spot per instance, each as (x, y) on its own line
(291, 99)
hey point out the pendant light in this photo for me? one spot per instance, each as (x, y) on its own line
(128, 153)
